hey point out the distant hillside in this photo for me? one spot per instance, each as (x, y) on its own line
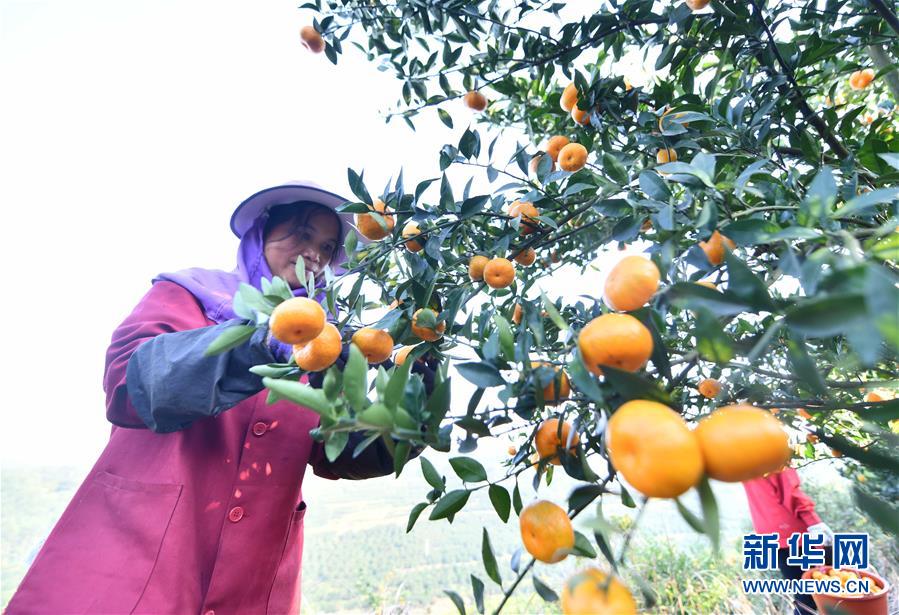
(357, 556)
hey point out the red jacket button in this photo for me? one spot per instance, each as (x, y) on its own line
(259, 428)
(235, 514)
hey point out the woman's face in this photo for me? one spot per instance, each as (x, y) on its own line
(312, 237)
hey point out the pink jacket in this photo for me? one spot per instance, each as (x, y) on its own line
(206, 520)
(778, 504)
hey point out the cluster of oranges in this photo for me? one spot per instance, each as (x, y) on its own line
(650, 445)
(317, 344)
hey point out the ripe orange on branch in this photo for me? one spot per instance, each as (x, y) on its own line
(411, 230)
(592, 592)
(475, 100)
(526, 257)
(546, 531)
(428, 334)
(709, 388)
(499, 273)
(311, 39)
(375, 344)
(297, 320)
(476, 267)
(581, 116)
(631, 283)
(550, 397)
(741, 442)
(618, 340)
(548, 441)
(402, 354)
(528, 214)
(714, 248)
(371, 228)
(697, 5)
(573, 157)
(666, 155)
(569, 97)
(555, 145)
(652, 447)
(861, 79)
(321, 352)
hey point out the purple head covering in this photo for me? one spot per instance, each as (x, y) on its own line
(215, 289)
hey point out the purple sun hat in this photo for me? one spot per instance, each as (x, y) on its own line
(258, 204)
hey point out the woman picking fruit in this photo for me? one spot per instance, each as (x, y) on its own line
(195, 505)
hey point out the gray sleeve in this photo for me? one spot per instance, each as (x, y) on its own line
(172, 383)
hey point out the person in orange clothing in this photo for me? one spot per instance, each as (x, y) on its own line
(778, 505)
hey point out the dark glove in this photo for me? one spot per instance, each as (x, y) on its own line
(283, 353)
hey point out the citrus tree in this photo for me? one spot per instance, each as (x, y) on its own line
(748, 149)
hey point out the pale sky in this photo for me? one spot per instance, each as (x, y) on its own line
(130, 130)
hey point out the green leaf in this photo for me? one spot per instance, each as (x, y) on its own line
(872, 457)
(445, 118)
(401, 451)
(543, 590)
(687, 295)
(882, 512)
(501, 501)
(231, 337)
(396, 387)
(482, 375)
(431, 474)
(457, 600)
(468, 469)
(864, 202)
(880, 412)
(477, 588)
(653, 186)
(805, 368)
(506, 338)
(746, 285)
(673, 169)
(301, 394)
(335, 443)
(272, 370)
(886, 249)
(414, 514)
(819, 198)
(582, 496)
(438, 404)
(553, 313)
(632, 386)
(450, 504)
(626, 498)
(490, 559)
(891, 159)
(614, 168)
(712, 343)
(583, 380)
(355, 379)
(582, 546)
(691, 519)
(710, 512)
(826, 316)
(473, 425)
(516, 500)
(358, 187)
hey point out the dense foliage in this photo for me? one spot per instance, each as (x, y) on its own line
(744, 124)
